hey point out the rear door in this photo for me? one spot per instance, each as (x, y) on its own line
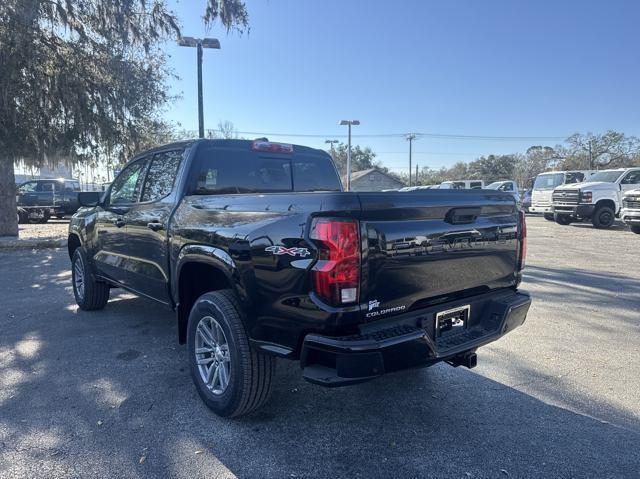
(432, 246)
(146, 227)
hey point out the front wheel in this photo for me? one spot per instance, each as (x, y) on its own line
(563, 220)
(603, 217)
(89, 293)
(635, 229)
(230, 377)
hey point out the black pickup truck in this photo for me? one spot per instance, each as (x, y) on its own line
(39, 199)
(262, 255)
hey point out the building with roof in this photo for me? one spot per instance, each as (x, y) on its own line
(372, 179)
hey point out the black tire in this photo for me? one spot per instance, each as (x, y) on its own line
(250, 373)
(23, 216)
(563, 220)
(548, 216)
(635, 229)
(95, 293)
(603, 217)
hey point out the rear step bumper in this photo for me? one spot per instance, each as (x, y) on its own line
(409, 341)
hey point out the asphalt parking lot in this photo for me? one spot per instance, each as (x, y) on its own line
(107, 394)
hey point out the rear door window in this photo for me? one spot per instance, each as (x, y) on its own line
(161, 175)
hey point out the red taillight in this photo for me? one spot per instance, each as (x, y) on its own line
(336, 275)
(523, 241)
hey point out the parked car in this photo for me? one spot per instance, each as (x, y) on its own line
(544, 185)
(262, 255)
(598, 200)
(526, 201)
(630, 213)
(507, 186)
(461, 185)
(40, 199)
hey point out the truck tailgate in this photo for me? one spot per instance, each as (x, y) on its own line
(425, 247)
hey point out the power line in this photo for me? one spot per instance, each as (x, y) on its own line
(403, 135)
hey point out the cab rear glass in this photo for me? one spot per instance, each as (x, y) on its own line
(231, 171)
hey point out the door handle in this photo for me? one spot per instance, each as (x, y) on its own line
(119, 222)
(155, 226)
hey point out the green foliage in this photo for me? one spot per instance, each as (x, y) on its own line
(85, 78)
(361, 158)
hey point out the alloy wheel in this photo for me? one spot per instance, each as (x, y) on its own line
(212, 355)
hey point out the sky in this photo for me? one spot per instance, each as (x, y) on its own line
(537, 70)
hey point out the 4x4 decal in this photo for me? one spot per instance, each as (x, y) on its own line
(294, 251)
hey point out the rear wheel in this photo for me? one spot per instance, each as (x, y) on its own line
(230, 377)
(548, 216)
(45, 217)
(635, 229)
(603, 217)
(89, 293)
(563, 220)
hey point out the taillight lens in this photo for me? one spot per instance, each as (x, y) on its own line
(336, 275)
(523, 241)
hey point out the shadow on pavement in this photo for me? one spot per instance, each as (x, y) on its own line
(107, 394)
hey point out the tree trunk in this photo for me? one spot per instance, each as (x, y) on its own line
(8, 209)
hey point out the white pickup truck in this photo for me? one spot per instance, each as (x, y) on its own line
(598, 200)
(630, 213)
(545, 184)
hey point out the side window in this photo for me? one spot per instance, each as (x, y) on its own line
(632, 178)
(46, 186)
(161, 175)
(126, 187)
(474, 185)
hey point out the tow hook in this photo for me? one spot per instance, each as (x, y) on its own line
(468, 360)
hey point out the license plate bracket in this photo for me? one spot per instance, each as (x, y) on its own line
(452, 321)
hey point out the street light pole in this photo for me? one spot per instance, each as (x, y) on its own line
(200, 105)
(349, 123)
(199, 44)
(331, 143)
(410, 137)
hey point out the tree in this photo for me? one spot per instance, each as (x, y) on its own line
(611, 149)
(361, 158)
(81, 76)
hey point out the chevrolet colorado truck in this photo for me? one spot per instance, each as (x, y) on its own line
(630, 213)
(263, 256)
(599, 199)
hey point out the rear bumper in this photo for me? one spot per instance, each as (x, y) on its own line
(410, 340)
(630, 217)
(583, 211)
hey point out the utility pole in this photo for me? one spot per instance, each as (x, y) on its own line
(349, 123)
(410, 137)
(590, 154)
(416, 174)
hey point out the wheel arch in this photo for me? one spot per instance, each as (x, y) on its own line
(200, 269)
(73, 243)
(607, 202)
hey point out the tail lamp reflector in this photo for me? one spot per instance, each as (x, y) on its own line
(336, 275)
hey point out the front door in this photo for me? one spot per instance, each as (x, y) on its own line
(147, 224)
(111, 254)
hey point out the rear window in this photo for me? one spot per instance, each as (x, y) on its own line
(225, 171)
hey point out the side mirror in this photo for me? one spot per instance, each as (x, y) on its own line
(89, 198)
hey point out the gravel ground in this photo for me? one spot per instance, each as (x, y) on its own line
(107, 394)
(54, 229)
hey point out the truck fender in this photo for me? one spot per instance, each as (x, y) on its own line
(221, 271)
